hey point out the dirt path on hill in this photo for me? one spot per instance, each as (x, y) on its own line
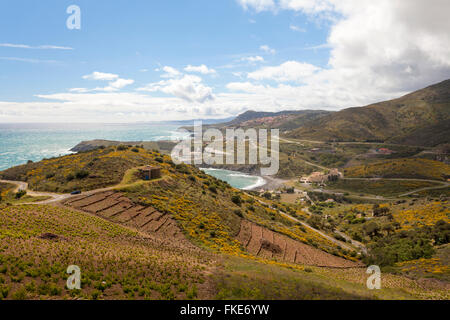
(55, 197)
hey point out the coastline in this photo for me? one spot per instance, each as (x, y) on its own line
(267, 183)
(272, 183)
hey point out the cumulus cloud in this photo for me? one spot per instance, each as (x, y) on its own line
(288, 71)
(378, 50)
(115, 83)
(189, 88)
(170, 72)
(203, 69)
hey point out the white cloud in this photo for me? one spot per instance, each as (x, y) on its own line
(296, 28)
(189, 88)
(170, 72)
(267, 49)
(101, 76)
(288, 71)
(245, 87)
(115, 83)
(30, 60)
(203, 69)
(253, 59)
(25, 46)
(308, 6)
(257, 5)
(378, 50)
(119, 84)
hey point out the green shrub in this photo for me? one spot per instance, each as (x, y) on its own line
(236, 199)
(20, 194)
(20, 294)
(4, 291)
(267, 195)
(81, 174)
(238, 213)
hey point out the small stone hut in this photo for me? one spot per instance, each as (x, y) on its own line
(149, 173)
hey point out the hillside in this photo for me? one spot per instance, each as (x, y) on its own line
(202, 205)
(117, 262)
(83, 171)
(412, 119)
(281, 117)
(186, 235)
(401, 168)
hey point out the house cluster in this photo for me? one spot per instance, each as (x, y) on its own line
(320, 177)
(149, 173)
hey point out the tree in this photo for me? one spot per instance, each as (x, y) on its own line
(236, 199)
(371, 229)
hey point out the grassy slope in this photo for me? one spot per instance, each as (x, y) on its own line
(203, 207)
(401, 168)
(119, 263)
(131, 264)
(379, 187)
(202, 204)
(104, 167)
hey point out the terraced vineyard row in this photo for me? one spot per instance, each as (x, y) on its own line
(115, 207)
(265, 243)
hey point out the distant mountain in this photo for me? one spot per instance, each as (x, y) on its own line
(283, 120)
(419, 118)
(189, 122)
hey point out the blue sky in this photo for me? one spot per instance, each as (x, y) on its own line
(138, 60)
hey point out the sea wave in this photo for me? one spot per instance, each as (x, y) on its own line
(259, 183)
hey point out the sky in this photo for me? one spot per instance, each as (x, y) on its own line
(146, 60)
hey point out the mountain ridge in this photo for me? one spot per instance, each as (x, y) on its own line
(401, 119)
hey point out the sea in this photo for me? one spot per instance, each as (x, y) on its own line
(22, 142)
